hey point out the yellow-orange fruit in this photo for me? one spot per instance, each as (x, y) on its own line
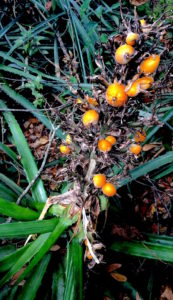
(64, 149)
(132, 38)
(91, 117)
(79, 101)
(150, 64)
(111, 139)
(143, 22)
(145, 82)
(99, 180)
(133, 89)
(86, 242)
(140, 137)
(135, 149)
(92, 101)
(124, 54)
(109, 189)
(89, 256)
(68, 139)
(104, 146)
(145, 27)
(115, 95)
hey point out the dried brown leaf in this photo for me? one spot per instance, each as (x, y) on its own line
(167, 294)
(137, 296)
(113, 267)
(138, 2)
(148, 147)
(119, 277)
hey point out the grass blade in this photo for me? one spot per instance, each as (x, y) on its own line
(150, 250)
(17, 212)
(9, 152)
(27, 159)
(26, 104)
(58, 283)
(8, 261)
(26, 257)
(148, 167)
(32, 285)
(73, 288)
(18, 229)
(62, 225)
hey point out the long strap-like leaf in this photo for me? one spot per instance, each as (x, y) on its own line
(27, 159)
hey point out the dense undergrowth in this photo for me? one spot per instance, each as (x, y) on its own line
(61, 237)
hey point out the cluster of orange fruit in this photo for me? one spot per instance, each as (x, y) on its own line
(117, 95)
(100, 182)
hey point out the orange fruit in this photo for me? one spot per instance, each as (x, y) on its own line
(132, 38)
(139, 85)
(104, 146)
(89, 256)
(99, 180)
(92, 101)
(124, 54)
(133, 89)
(68, 139)
(150, 64)
(135, 149)
(64, 149)
(145, 82)
(111, 139)
(140, 136)
(144, 25)
(115, 94)
(90, 117)
(109, 189)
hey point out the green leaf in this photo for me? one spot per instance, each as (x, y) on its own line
(19, 229)
(25, 257)
(17, 212)
(58, 282)
(4, 30)
(73, 288)
(29, 106)
(32, 284)
(150, 250)
(8, 261)
(9, 152)
(148, 167)
(14, 187)
(5, 192)
(27, 158)
(6, 250)
(167, 116)
(62, 225)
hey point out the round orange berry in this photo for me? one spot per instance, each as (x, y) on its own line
(92, 101)
(135, 149)
(111, 139)
(109, 189)
(124, 54)
(64, 149)
(140, 136)
(104, 146)
(150, 64)
(99, 180)
(132, 38)
(115, 95)
(90, 117)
